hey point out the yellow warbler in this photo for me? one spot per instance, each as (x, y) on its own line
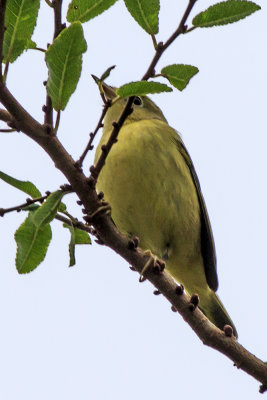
(154, 192)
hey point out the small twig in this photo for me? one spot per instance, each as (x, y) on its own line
(57, 8)
(95, 170)
(93, 134)
(49, 3)
(161, 47)
(48, 115)
(75, 223)
(29, 201)
(7, 130)
(2, 32)
(8, 118)
(5, 115)
(58, 27)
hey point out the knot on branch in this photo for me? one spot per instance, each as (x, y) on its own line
(228, 330)
(263, 388)
(91, 182)
(66, 187)
(194, 302)
(179, 289)
(133, 243)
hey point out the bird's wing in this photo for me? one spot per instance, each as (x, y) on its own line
(207, 241)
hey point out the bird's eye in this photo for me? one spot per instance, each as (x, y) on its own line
(137, 101)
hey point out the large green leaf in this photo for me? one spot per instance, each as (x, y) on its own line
(224, 13)
(64, 61)
(32, 243)
(77, 236)
(47, 212)
(25, 186)
(20, 21)
(145, 12)
(179, 74)
(142, 88)
(84, 10)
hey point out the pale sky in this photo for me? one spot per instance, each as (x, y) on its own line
(93, 331)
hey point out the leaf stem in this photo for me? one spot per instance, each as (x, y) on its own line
(57, 121)
(190, 29)
(154, 40)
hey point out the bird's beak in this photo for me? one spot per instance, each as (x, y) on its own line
(106, 90)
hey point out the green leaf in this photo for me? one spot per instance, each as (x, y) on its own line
(84, 10)
(20, 21)
(32, 244)
(145, 12)
(224, 13)
(106, 74)
(47, 212)
(71, 244)
(142, 88)
(64, 61)
(62, 207)
(82, 237)
(179, 74)
(25, 186)
(77, 236)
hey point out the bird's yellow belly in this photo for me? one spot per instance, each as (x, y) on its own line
(152, 195)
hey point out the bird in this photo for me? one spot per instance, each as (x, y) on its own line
(151, 184)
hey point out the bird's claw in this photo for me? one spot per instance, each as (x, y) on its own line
(105, 208)
(153, 262)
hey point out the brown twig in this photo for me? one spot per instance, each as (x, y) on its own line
(95, 170)
(29, 201)
(206, 331)
(7, 130)
(75, 223)
(2, 32)
(58, 26)
(93, 135)
(161, 47)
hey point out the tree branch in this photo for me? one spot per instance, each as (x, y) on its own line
(29, 201)
(163, 46)
(93, 135)
(95, 170)
(85, 189)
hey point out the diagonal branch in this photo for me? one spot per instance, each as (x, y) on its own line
(108, 233)
(163, 46)
(93, 135)
(95, 170)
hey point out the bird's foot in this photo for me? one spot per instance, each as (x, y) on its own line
(153, 262)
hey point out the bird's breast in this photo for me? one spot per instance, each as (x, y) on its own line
(149, 187)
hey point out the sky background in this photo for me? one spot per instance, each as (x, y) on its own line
(92, 331)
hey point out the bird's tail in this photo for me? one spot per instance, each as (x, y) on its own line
(214, 310)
